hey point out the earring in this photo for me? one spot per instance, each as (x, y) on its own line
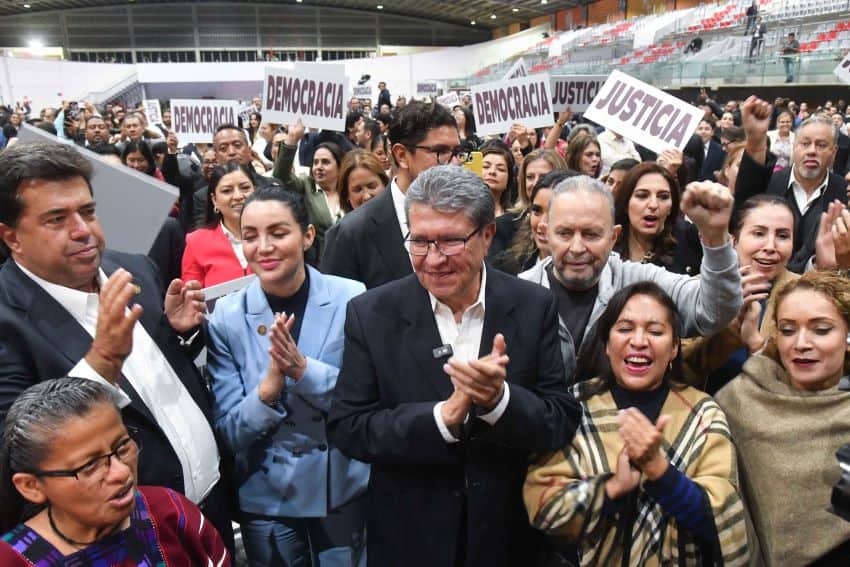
(215, 209)
(848, 339)
(670, 364)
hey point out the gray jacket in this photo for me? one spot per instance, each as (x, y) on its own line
(707, 303)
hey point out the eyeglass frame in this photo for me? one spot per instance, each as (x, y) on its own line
(75, 472)
(455, 152)
(436, 242)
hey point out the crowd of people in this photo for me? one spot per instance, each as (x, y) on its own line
(547, 347)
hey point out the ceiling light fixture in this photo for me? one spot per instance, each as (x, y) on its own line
(380, 6)
(27, 6)
(472, 23)
(492, 16)
(514, 9)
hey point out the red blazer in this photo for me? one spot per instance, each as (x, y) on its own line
(210, 259)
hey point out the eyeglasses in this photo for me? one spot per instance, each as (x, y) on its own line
(445, 246)
(94, 471)
(444, 155)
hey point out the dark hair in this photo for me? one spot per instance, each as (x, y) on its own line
(31, 425)
(351, 119)
(499, 148)
(259, 118)
(664, 243)
(334, 150)
(755, 202)
(576, 148)
(144, 149)
(469, 129)
(231, 126)
(733, 134)
(105, 149)
(290, 199)
(413, 122)
(36, 160)
(372, 126)
(213, 217)
(710, 121)
(625, 164)
(385, 118)
(46, 126)
(158, 148)
(599, 364)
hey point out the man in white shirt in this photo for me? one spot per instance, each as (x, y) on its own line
(615, 147)
(70, 307)
(450, 378)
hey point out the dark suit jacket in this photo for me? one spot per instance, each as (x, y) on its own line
(430, 500)
(367, 244)
(40, 340)
(842, 155)
(754, 179)
(712, 162)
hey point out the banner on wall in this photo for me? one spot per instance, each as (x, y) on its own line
(644, 114)
(575, 91)
(428, 88)
(497, 106)
(152, 111)
(195, 121)
(315, 95)
(362, 91)
(517, 70)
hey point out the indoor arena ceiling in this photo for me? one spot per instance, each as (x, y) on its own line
(485, 13)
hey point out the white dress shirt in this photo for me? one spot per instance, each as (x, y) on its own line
(165, 396)
(465, 338)
(803, 200)
(236, 244)
(398, 205)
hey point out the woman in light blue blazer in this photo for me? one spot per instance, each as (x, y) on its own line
(274, 353)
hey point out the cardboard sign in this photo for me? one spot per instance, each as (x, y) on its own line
(131, 206)
(527, 100)
(449, 100)
(516, 71)
(843, 69)
(643, 114)
(196, 120)
(316, 96)
(362, 91)
(214, 292)
(152, 111)
(575, 91)
(426, 89)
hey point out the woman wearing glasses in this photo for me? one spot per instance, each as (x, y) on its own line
(68, 489)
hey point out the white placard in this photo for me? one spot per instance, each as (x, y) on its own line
(449, 100)
(316, 96)
(244, 114)
(575, 91)
(526, 100)
(428, 88)
(195, 121)
(214, 292)
(152, 111)
(516, 71)
(643, 114)
(362, 91)
(843, 69)
(131, 206)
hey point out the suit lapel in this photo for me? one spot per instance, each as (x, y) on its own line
(259, 315)
(498, 316)
(319, 311)
(386, 235)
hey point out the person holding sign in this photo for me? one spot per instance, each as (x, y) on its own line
(319, 188)
(274, 354)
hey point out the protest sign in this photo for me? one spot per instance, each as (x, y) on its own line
(526, 100)
(516, 71)
(315, 94)
(244, 113)
(643, 114)
(843, 69)
(575, 91)
(131, 206)
(196, 120)
(426, 89)
(152, 111)
(362, 91)
(214, 292)
(449, 100)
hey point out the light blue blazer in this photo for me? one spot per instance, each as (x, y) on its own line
(284, 464)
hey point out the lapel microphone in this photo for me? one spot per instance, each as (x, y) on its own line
(443, 350)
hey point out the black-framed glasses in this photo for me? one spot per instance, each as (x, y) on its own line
(445, 246)
(443, 154)
(95, 469)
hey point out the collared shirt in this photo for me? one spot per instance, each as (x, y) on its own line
(236, 244)
(150, 374)
(398, 205)
(804, 201)
(705, 148)
(465, 338)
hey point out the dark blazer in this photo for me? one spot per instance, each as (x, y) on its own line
(754, 179)
(712, 162)
(40, 340)
(842, 155)
(432, 503)
(367, 244)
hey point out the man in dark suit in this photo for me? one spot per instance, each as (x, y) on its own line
(367, 245)
(713, 154)
(67, 307)
(808, 185)
(450, 378)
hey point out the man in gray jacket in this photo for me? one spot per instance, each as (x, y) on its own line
(584, 273)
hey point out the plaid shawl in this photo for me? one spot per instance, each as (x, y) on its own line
(564, 491)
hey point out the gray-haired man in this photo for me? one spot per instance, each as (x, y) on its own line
(451, 376)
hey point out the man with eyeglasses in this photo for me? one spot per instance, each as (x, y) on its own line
(450, 378)
(809, 185)
(367, 245)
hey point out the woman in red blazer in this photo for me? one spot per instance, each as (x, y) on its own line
(214, 254)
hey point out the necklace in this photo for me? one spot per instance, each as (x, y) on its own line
(66, 539)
